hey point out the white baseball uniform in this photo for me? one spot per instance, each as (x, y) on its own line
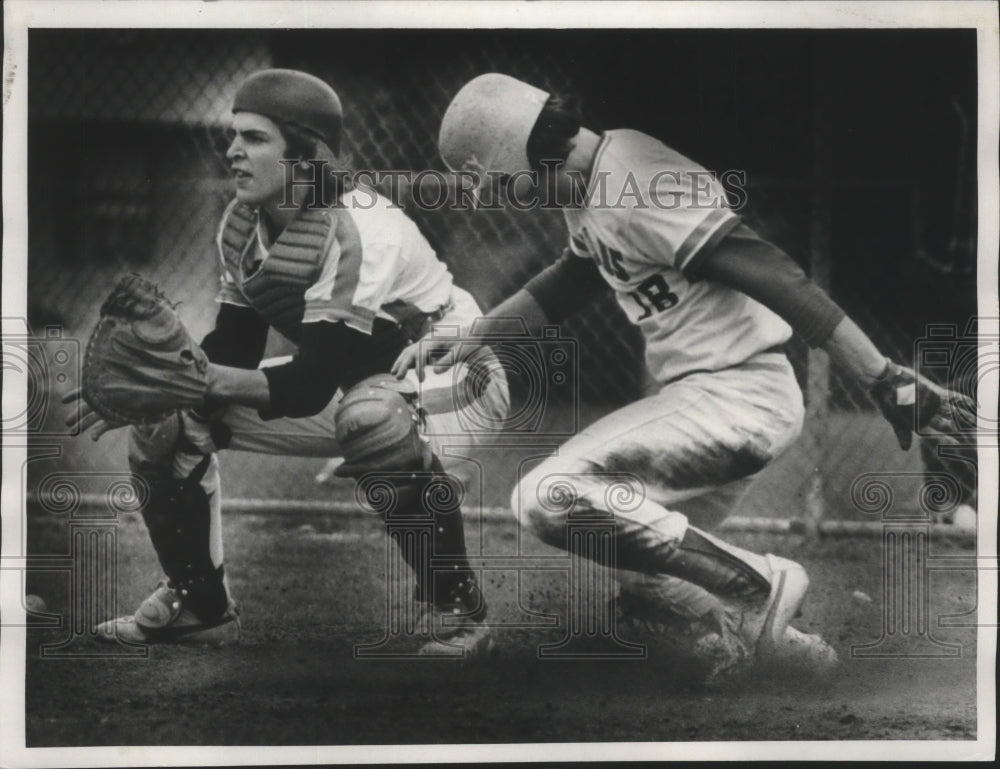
(728, 403)
(398, 266)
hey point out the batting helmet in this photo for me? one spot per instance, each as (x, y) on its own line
(486, 127)
(290, 96)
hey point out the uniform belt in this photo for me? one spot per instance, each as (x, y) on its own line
(778, 349)
(432, 317)
(418, 325)
(438, 314)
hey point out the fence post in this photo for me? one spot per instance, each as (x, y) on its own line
(818, 366)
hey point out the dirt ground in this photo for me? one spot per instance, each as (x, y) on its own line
(312, 587)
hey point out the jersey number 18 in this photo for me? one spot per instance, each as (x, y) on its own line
(654, 295)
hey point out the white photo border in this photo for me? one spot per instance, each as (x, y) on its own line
(22, 15)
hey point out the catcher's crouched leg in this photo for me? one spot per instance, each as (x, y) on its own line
(193, 603)
(378, 430)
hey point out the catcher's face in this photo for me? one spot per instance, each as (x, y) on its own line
(254, 153)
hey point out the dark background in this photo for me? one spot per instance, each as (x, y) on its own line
(858, 146)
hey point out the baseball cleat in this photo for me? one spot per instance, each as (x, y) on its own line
(162, 618)
(727, 658)
(789, 584)
(455, 635)
(766, 629)
(730, 642)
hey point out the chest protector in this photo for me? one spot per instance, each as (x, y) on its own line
(276, 289)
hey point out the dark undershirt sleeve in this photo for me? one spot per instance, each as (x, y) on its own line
(744, 261)
(566, 286)
(238, 339)
(330, 355)
(306, 384)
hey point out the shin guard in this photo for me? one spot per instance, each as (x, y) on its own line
(432, 499)
(178, 518)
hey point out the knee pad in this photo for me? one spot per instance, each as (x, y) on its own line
(378, 428)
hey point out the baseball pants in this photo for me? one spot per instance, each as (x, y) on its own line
(688, 453)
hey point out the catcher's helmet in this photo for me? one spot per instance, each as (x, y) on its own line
(290, 96)
(486, 127)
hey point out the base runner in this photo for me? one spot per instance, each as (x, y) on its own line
(715, 303)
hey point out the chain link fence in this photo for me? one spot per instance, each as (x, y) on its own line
(127, 172)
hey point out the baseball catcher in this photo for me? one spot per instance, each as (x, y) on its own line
(351, 281)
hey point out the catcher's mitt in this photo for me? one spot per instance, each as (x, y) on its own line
(911, 403)
(141, 363)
